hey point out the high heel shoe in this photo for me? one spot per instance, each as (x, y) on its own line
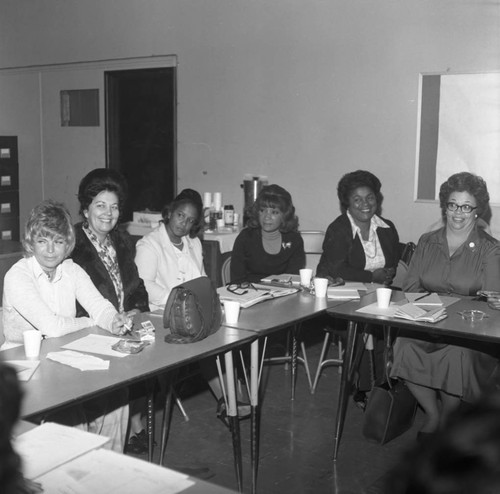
(360, 399)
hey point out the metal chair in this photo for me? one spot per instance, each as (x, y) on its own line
(313, 248)
(406, 252)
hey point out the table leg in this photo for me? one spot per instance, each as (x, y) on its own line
(150, 394)
(345, 382)
(255, 417)
(294, 361)
(167, 416)
(232, 415)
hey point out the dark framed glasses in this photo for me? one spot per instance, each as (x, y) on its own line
(464, 208)
(240, 288)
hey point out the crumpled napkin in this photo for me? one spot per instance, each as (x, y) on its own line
(79, 360)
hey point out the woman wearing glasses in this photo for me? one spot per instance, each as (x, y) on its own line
(271, 243)
(461, 259)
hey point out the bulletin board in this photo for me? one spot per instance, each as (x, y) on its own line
(458, 130)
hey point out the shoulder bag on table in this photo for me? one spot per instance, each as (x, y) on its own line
(192, 312)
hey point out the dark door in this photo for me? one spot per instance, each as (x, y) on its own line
(141, 135)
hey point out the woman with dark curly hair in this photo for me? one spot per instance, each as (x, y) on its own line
(271, 243)
(107, 256)
(361, 246)
(461, 259)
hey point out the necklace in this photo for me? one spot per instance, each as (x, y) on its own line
(176, 245)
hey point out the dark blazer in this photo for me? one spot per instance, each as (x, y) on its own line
(343, 256)
(85, 254)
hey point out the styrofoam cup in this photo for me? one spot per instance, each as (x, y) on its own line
(305, 276)
(231, 311)
(383, 297)
(32, 342)
(320, 287)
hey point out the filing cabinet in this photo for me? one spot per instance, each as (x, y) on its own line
(9, 188)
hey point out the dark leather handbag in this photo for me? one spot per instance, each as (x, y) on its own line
(192, 312)
(390, 411)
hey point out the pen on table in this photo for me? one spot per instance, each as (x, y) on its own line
(422, 296)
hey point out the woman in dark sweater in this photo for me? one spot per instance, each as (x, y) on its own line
(361, 246)
(107, 255)
(271, 243)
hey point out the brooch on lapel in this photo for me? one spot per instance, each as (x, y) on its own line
(472, 246)
(286, 245)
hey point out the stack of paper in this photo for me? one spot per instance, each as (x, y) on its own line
(347, 291)
(282, 279)
(414, 313)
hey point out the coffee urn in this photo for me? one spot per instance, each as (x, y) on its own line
(251, 186)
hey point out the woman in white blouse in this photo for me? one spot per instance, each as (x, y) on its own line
(172, 253)
(40, 292)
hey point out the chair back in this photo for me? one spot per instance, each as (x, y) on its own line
(404, 261)
(226, 268)
(313, 247)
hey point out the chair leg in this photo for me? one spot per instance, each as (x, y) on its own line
(180, 406)
(320, 363)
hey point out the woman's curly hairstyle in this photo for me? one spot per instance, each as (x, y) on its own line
(465, 182)
(274, 196)
(49, 219)
(186, 196)
(99, 180)
(351, 181)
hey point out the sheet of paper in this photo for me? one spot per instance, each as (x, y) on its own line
(354, 285)
(8, 345)
(424, 299)
(375, 310)
(24, 368)
(50, 445)
(113, 473)
(78, 360)
(342, 293)
(96, 343)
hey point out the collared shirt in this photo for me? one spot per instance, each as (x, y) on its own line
(162, 266)
(32, 301)
(374, 255)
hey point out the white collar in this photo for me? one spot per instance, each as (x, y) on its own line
(375, 222)
(40, 273)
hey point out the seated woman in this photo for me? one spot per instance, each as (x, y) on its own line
(361, 246)
(172, 254)
(107, 256)
(41, 291)
(271, 243)
(461, 259)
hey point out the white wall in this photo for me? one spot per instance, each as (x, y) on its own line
(301, 91)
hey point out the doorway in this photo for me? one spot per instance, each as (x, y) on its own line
(141, 124)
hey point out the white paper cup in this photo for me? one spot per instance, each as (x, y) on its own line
(320, 287)
(220, 223)
(383, 297)
(32, 342)
(231, 311)
(305, 276)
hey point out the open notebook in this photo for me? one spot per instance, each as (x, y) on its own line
(254, 294)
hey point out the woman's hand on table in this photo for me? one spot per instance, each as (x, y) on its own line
(494, 302)
(121, 324)
(383, 276)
